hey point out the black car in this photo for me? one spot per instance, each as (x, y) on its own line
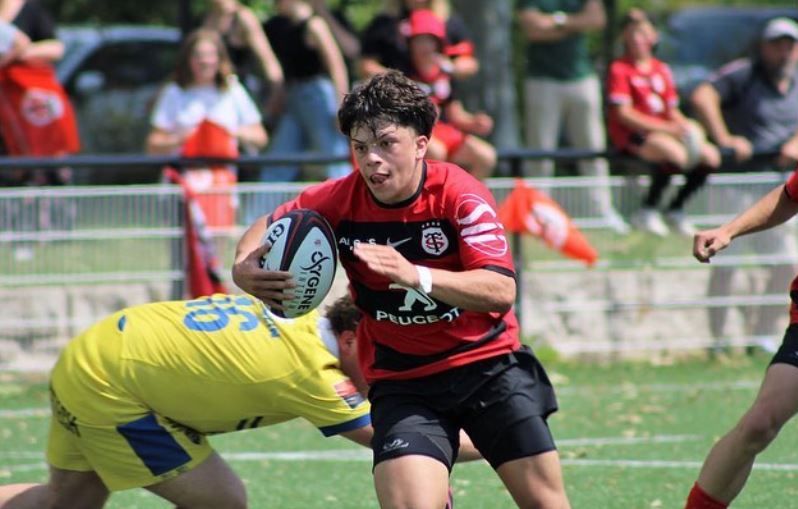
(112, 74)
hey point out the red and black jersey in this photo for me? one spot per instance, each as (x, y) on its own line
(791, 189)
(449, 223)
(651, 91)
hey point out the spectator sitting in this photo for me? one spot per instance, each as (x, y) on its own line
(206, 100)
(450, 140)
(752, 105)
(384, 41)
(246, 43)
(316, 81)
(644, 120)
(562, 94)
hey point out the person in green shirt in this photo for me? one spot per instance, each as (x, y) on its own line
(562, 92)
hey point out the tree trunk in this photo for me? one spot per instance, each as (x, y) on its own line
(493, 89)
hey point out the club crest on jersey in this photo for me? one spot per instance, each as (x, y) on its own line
(433, 240)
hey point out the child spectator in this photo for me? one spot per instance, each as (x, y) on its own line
(451, 137)
(205, 111)
(644, 120)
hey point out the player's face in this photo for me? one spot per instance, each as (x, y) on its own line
(390, 160)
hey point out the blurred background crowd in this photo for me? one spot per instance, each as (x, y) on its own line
(652, 85)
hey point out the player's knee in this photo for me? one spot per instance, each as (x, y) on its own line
(758, 429)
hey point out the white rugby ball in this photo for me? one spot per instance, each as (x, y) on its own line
(303, 244)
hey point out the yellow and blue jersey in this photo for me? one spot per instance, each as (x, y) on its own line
(159, 377)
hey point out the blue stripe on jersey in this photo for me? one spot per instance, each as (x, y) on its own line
(121, 323)
(363, 420)
(159, 451)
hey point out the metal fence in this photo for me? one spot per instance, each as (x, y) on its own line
(127, 236)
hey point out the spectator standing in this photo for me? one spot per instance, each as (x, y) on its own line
(562, 94)
(343, 32)
(53, 132)
(316, 81)
(248, 48)
(645, 121)
(36, 118)
(748, 106)
(206, 111)
(454, 135)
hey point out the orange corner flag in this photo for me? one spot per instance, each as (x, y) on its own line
(527, 210)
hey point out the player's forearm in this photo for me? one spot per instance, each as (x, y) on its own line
(251, 238)
(475, 290)
(771, 210)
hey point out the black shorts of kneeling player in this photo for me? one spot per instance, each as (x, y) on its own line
(501, 402)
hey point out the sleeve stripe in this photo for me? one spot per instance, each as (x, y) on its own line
(479, 228)
(476, 239)
(335, 429)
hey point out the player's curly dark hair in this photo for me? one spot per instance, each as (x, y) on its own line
(388, 97)
(343, 315)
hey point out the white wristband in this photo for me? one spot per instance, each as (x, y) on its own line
(424, 279)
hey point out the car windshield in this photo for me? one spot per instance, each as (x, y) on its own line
(707, 42)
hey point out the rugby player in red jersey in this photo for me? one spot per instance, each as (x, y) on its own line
(429, 266)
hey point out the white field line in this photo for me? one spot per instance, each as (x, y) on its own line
(365, 456)
(582, 389)
(675, 388)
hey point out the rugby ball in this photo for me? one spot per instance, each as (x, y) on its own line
(303, 244)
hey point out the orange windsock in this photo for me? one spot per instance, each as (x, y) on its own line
(527, 210)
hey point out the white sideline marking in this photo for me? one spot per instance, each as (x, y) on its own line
(783, 467)
(364, 455)
(19, 413)
(709, 386)
(654, 439)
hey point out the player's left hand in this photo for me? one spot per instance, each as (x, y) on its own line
(388, 262)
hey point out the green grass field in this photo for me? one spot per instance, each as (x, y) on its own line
(631, 435)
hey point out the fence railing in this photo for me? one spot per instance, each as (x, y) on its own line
(93, 236)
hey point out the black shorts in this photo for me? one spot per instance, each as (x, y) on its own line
(788, 351)
(501, 402)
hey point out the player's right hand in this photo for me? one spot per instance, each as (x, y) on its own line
(272, 287)
(708, 242)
